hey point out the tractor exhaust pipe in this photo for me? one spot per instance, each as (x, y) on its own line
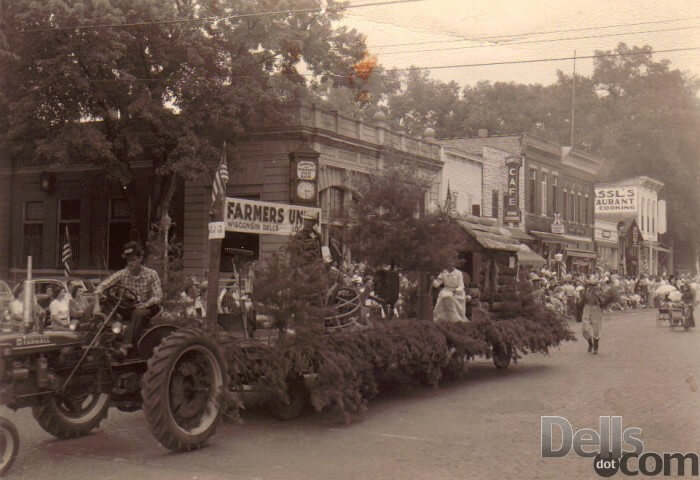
(28, 298)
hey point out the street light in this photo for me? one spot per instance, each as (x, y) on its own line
(558, 257)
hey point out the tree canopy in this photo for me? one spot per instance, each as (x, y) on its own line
(114, 81)
(638, 113)
(387, 225)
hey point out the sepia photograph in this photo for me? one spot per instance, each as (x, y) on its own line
(349, 239)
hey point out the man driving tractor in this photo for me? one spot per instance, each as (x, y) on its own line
(144, 283)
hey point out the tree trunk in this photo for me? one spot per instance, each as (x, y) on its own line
(165, 198)
(424, 307)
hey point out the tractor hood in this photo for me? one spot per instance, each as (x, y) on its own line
(18, 343)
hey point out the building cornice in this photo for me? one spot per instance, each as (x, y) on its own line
(78, 167)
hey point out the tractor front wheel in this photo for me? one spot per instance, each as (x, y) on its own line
(9, 445)
(73, 413)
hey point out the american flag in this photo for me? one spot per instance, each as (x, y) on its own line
(66, 254)
(220, 179)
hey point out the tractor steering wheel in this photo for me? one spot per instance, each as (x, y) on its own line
(119, 293)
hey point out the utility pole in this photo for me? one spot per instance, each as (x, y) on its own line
(573, 100)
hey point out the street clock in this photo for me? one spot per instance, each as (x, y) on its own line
(303, 176)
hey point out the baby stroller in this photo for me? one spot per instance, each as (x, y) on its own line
(663, 312)
(681, 314)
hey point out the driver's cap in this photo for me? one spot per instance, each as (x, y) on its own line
(132, 248)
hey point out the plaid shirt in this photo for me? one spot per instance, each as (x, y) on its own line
(146, 285)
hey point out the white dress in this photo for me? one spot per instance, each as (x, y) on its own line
(452, 301)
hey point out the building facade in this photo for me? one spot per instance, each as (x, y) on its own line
(346, 148)
(45, 205)
(634, 203)
(75, 203)
(542, 191)
(463, 176)
(607, 240)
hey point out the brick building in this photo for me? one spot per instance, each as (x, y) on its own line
(39, 203)
(347, 149)
(545, 196)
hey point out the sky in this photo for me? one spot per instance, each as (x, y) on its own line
(445, 24)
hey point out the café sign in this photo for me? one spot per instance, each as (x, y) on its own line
(616, 200)
(511, 212)
(253, 216)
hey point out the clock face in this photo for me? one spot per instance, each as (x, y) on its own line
(306, 190)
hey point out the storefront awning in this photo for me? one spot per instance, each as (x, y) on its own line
(607, 243)
(519, 234)
(578, 239)
(550, 237)
(580, 254)
(487, 233)
(530, 258)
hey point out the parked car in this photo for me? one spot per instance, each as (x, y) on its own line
(5, 296)
(43, 288)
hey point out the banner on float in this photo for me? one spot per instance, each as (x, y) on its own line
(266, 218)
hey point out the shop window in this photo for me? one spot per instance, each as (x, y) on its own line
(579, 208)
(334, 202)
(572, 213)
(543, 192)
(68, 230)
(531, 202)
(565, 210)
(33, 232)
(494, 203)
(648, 215)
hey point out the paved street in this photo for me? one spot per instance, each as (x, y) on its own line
(485, 426)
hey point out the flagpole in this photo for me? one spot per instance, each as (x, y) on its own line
(216, 215)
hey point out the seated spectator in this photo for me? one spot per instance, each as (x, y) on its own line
(79, 304)
(59, 309)
(187, 298)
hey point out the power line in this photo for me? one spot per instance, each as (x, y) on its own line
(545, 40)
(539, 60)
(527, 34)
(217, 18)
(440, 67)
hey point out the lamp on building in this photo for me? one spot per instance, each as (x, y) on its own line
(47, 182)
(558, 257)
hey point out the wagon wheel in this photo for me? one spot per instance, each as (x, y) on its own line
(346, 303)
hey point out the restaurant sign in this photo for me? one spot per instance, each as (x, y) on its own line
(253, 216)
(511, 211)
(616, 200)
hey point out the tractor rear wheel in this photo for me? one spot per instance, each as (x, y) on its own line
(184, 389)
